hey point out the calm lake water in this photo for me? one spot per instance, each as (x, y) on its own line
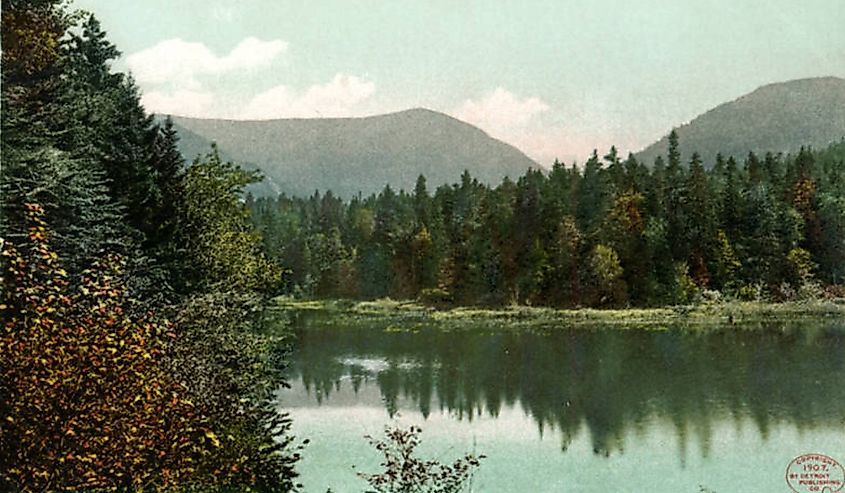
(580, 410)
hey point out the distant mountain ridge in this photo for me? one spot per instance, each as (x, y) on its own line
(348, 155)
(779, 117)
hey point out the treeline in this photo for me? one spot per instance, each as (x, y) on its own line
(613, 232)
(131, 355)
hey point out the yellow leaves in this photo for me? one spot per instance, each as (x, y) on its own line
(33, 208)
(74, 346)
(214, 440)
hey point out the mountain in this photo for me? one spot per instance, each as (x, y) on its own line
(348, 155)
(777, 117)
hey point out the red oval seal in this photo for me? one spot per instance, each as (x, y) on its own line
(815, 473)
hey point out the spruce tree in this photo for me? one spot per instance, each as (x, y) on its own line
(701, 221)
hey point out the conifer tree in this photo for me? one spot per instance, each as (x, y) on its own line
(701, 227)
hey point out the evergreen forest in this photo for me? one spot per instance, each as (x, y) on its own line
(612, 233)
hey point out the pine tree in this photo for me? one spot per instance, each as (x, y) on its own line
(593, 196)
(422, 202)
(658, 189)
(75, 195)
(105, 121)
(674, 210)
(616, 170)
(754, 170)
(159, 227)
(673, 168)
(701, 226)
(71, 185)
(565, 264)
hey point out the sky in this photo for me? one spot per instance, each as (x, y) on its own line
(555, 78)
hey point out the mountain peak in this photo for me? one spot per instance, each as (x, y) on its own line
(351, 155)
(778, 117)
(807, 81)
(419, 110)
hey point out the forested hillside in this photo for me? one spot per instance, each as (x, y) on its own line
(780, 117)
(613, 233)
(130, 352)
(351, 155)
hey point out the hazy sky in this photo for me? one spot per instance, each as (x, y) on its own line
(555, 78)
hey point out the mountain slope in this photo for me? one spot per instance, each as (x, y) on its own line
(348, 155)
(777, 117)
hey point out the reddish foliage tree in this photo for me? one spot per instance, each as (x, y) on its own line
(84, 398)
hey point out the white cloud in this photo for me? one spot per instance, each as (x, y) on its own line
(554, 142)
(515, 120)
(336, 98)
(176, 77)
(534, 127)
(179, 62)
(501, 112)
(182, 102)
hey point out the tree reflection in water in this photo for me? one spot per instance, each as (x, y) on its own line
(613, 381)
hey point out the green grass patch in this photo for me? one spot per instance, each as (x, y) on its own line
(409, 315)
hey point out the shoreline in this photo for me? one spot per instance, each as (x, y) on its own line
(743, 315)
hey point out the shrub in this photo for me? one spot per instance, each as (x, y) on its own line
(683, 287)
(405, 473)
(799, 266)
(84, 399)
(709, 297)
(435, 297)
(750, 292)
(98, 393)
(607, 285)
(233, 371)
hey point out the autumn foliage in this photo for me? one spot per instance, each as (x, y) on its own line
(84, 400)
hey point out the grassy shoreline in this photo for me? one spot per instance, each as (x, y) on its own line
(409, 315)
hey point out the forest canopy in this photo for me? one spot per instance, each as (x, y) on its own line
(612, 232)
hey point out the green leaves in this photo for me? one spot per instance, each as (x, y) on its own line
(232, 372)
(223, 247)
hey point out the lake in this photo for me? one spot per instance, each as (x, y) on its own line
(572, 409)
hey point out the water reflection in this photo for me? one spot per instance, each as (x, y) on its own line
(607, 383)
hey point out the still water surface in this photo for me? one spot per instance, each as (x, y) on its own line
(572, 410)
